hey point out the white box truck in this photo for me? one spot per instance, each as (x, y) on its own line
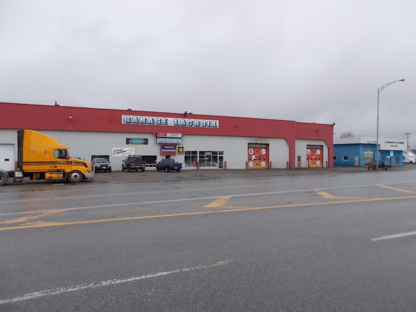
(409, 157)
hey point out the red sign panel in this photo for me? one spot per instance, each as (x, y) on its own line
(314, 155)
(258, 156)
(169, 135)
(167, 149)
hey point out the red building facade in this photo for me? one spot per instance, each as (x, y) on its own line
(97, 120)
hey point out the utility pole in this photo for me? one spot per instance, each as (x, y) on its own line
(407, 139)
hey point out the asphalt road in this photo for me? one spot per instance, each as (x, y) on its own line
(323, 240)
(151, 175)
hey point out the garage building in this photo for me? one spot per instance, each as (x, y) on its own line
(198, 141)
(360, 151)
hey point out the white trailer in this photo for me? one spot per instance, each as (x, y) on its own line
(409, 157)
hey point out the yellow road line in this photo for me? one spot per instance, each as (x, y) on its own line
(31, 217)
(327, 195)
(218, 202)
(394, 189)
(141, 193)
(203, 212)
(324, 194)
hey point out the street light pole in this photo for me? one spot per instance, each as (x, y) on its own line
(378, 100)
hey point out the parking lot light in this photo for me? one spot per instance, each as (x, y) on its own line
(378, 100)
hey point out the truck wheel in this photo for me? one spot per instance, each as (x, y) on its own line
(122, 169)
(137, 169)
(157, 169)
(3, 178)
(178, 170)
(75, 176)
(142, 169)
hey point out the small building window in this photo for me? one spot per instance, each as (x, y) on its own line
(335, 157)
(346, 158)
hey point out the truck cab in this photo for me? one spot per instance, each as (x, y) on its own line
(40, 157)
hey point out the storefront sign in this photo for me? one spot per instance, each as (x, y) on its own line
(258, 156)
(396, 144)
(258, 145)
(314, 155)
(131, 141)
(180, 150)
(160, 121)
(123, 152)
(393, 142)
(169, 135)
(167, 149)
(168, 140)
(314, 146)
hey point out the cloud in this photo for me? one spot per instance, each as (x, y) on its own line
(309, 62)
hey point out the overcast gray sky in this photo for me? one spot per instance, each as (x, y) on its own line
(310, 61)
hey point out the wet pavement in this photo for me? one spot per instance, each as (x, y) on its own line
(151, 175)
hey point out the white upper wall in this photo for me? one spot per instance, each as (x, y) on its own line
(385, 144)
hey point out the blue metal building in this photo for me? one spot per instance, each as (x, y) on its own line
(360, 151)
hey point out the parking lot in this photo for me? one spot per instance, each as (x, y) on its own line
(151, 175)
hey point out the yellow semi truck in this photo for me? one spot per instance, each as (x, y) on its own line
(39, 157)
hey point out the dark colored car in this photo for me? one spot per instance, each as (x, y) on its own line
(101, 164)
(133, 162)
(168, 165)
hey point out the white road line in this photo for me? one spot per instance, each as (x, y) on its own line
(394, 236)
(196, 198)
(58, 291)
(153, 202)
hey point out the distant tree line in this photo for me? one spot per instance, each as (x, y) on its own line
(346, 135)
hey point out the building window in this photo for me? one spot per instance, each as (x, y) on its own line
(335, 157)
(211, 159)
(208, 159)
(191, 158)
(346, 158)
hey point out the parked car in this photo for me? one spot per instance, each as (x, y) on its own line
(101, 164)
(168, 164)
(133, 162)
